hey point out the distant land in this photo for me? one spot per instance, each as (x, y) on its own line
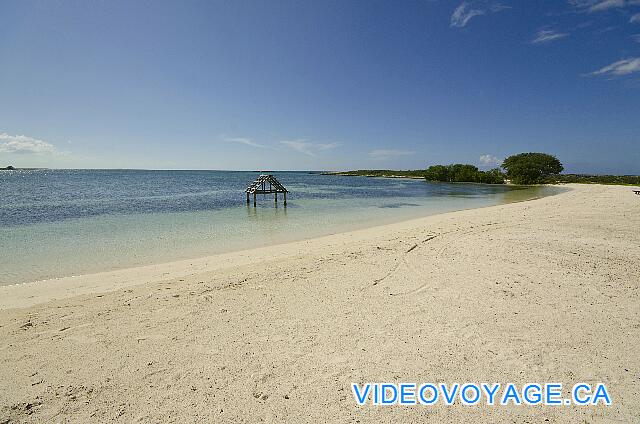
(386, 173)
(553, 179)
(13, 168)
(632, 180)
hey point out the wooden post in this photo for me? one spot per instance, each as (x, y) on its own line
(276, 196)
(254, 199)
(285, 198)
(248, 201)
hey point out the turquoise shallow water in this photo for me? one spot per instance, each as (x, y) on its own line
(56, 223)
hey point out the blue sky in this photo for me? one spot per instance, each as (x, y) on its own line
(319, 84)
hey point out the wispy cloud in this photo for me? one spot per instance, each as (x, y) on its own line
(328, 146)
(601, 5)
(389, 153)
(245, 141)
(489, 160)
(606, 4)
(548, 35)
(620, 68)
(463, 14)
(469, 9)
(24, 145)
(635, 19)
(307, 147)
(636, 38)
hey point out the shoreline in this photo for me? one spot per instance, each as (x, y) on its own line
(346, 174)
(588, 179)
(300, 238)
(18, 295)
(538, 290)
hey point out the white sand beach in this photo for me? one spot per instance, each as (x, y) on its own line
(539, 291)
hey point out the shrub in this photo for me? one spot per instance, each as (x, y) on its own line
(531, 168)
(463, 173)
(437, 173)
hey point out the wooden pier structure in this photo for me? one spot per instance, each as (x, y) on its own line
(266, 184)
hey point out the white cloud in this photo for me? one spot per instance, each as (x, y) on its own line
(621, 67)
(463, 14)
(308, 148)
(23, 144)
(635, 19)
(489, 160)
(606, 4)
(327, 146)
(601, 5)
(245, 141)
(469, 9)
(547, 35)
(388, 153)
(299, 146)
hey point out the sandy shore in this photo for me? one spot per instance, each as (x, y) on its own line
(540, 291)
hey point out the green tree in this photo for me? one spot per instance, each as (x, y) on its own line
(493, 176)
(531, 168)
(437, 173)
(463, 173)
(460, 172)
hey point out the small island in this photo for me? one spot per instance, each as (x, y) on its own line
(7, 168)
(521, 169)
(386, 173)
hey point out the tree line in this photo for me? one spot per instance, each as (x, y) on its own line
(463, 173)
(523, 168)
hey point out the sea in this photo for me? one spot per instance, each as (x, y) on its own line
(58, 223)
